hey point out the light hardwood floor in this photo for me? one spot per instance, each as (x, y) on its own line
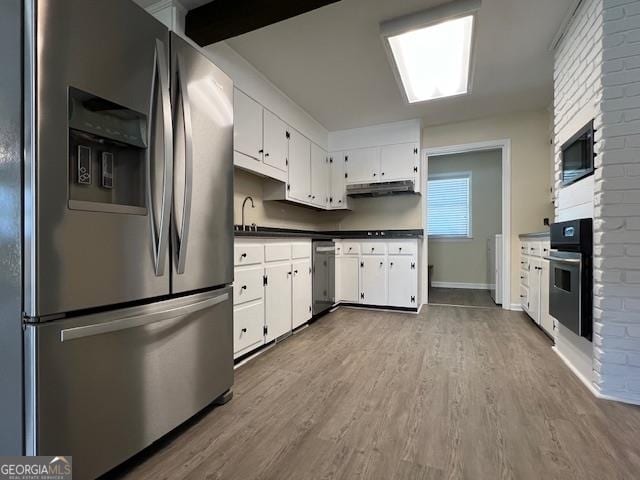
(461, 296)
(452, 393)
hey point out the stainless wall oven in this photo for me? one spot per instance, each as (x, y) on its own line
(571, 275)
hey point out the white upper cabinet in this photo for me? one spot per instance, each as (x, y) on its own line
(337, 191)
(363, 165)
(299, 187)
(319, 177)
(399, 162)
(247, 132)
(276, 141)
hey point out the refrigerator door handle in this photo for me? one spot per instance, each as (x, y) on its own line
(183, 99)
(74, 333)
(160, 236)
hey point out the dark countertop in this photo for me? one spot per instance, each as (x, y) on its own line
(327, 234)
(534, 235)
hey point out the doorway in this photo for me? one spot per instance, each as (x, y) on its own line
(466, 213)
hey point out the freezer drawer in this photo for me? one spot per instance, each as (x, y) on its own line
(103, 387)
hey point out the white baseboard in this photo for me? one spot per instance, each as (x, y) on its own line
(592, 388)
(471, 286)
(587, 383)
(516, 307)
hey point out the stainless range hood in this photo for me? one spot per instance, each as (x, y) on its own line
(378, 189)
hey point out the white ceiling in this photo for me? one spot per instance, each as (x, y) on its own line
(332, 63)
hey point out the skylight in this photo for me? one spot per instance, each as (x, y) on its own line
(433, 62)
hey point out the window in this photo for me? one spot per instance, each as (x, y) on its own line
(449, 205)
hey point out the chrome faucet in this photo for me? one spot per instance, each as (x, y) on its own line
(243, 205)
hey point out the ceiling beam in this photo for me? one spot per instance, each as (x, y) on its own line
(222, 19)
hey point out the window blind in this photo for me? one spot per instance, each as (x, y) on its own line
(449, 207)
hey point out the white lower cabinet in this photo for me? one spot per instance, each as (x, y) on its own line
(534, 282)
(272, 296)
(347, 279)
(301, 288)
(373, 279)
(402, 281)
(277, 303)
(248, 328)
(378, 272)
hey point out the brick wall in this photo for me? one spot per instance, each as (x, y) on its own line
(577, 100)
(617, 207)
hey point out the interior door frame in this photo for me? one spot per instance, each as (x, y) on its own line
(504, 145)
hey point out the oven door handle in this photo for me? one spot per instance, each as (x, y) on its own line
(573, 261)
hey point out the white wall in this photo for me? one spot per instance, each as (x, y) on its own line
(577, 94)
(617, 208)
(530, 170)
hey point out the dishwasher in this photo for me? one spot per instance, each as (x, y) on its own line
(324, 276)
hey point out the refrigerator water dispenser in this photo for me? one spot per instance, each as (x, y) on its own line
(107, 155)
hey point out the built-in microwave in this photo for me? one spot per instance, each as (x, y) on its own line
(578, 155)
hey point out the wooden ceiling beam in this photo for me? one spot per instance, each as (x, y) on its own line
(222, 19)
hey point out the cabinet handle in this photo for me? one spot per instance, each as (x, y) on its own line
(244, 330)
(381, 263)
(390, 264)
(382, 174)
(266, 154)
(309, 195)
(295, 272)
(244, 255)
(399, 249)
(244, 287)
(375, 174)
(313, 198)
(288, 273)
(261, 151)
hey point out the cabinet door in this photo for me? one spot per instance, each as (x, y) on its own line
(533, 307)
(546, 320)
(399, 162)
(247, 129)
(301, 292)
(338, 194)
(373, 280)
(363, 165)
(403, 280)
(276, 143)
(278, 301)
(319, 176)
(347, 279)
(299, 167)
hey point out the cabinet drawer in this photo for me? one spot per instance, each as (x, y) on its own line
(276, 252)
(535, 249)
(402, 248)
(248, 254)
(374, 248)
(524, 277)
(338, 249)
(248, 285)
(545, 248)
(525, 264)
(350, 248)
(248, 327)
(301, 250)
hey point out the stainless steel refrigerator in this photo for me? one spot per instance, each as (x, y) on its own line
(126, 228)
